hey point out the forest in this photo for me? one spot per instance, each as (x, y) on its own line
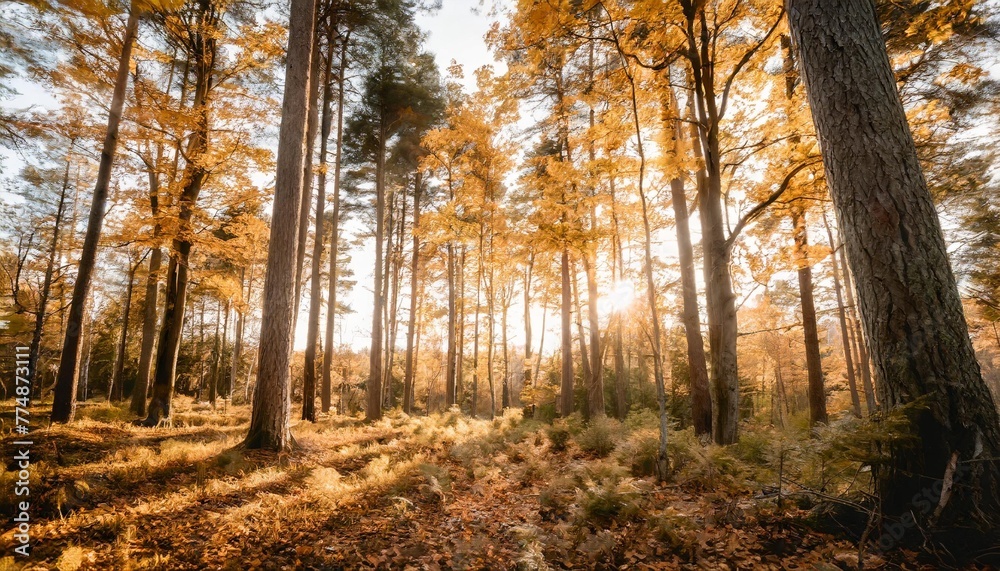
(663, 284)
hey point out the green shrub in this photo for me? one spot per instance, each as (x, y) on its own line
(604, 503)
(600, 437)
(638, 451)
(558, 435)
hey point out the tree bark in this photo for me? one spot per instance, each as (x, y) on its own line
(272, 397)
(374, 409)
(64, 398)
(814, 363)
(911, 309)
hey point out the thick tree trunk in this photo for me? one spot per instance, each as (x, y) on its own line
(911, 309)
(312, 129)
(814, 363)
(64, 398)
(272, 397)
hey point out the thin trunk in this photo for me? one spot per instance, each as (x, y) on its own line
(64, 399)
(116, 391)
(315, 293)
(857, 340)
(842, 316)
(566, 386)
(213, 376)
(527, 319)
(331, 307)
(701, 397)
(43, 296)
(414, 277)
(312, 129)
(475, 331)
(450, 383)
(814, 363)
(374, 409)
(581, 335)
(203, 56)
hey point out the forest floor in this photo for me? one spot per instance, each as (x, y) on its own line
(436, 492)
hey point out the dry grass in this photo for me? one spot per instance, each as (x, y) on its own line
(443, 491)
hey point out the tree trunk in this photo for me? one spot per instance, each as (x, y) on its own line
(566, 387)
(138, 405)
(842, 316)
(195, 174)
(116, 391)
(43, 296)
(374, 409)
(911, 309)
(272, 398)
(213, 375)
(312, 128)
(331, 307)
(595, 382)
(315, 293)
(64, 398)
(450, 383)
(814, 364)
(701, 398)
(414, 274)
(858, 342)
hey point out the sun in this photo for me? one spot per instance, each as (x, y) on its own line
(619, 299)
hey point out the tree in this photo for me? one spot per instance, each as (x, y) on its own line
(914, 324)
(64, 400)
(272, 399)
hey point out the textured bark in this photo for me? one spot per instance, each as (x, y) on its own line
(814, 363)
(213, 375)
(272, 397)
(64, 394)
(910, 305)
(312, 129)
